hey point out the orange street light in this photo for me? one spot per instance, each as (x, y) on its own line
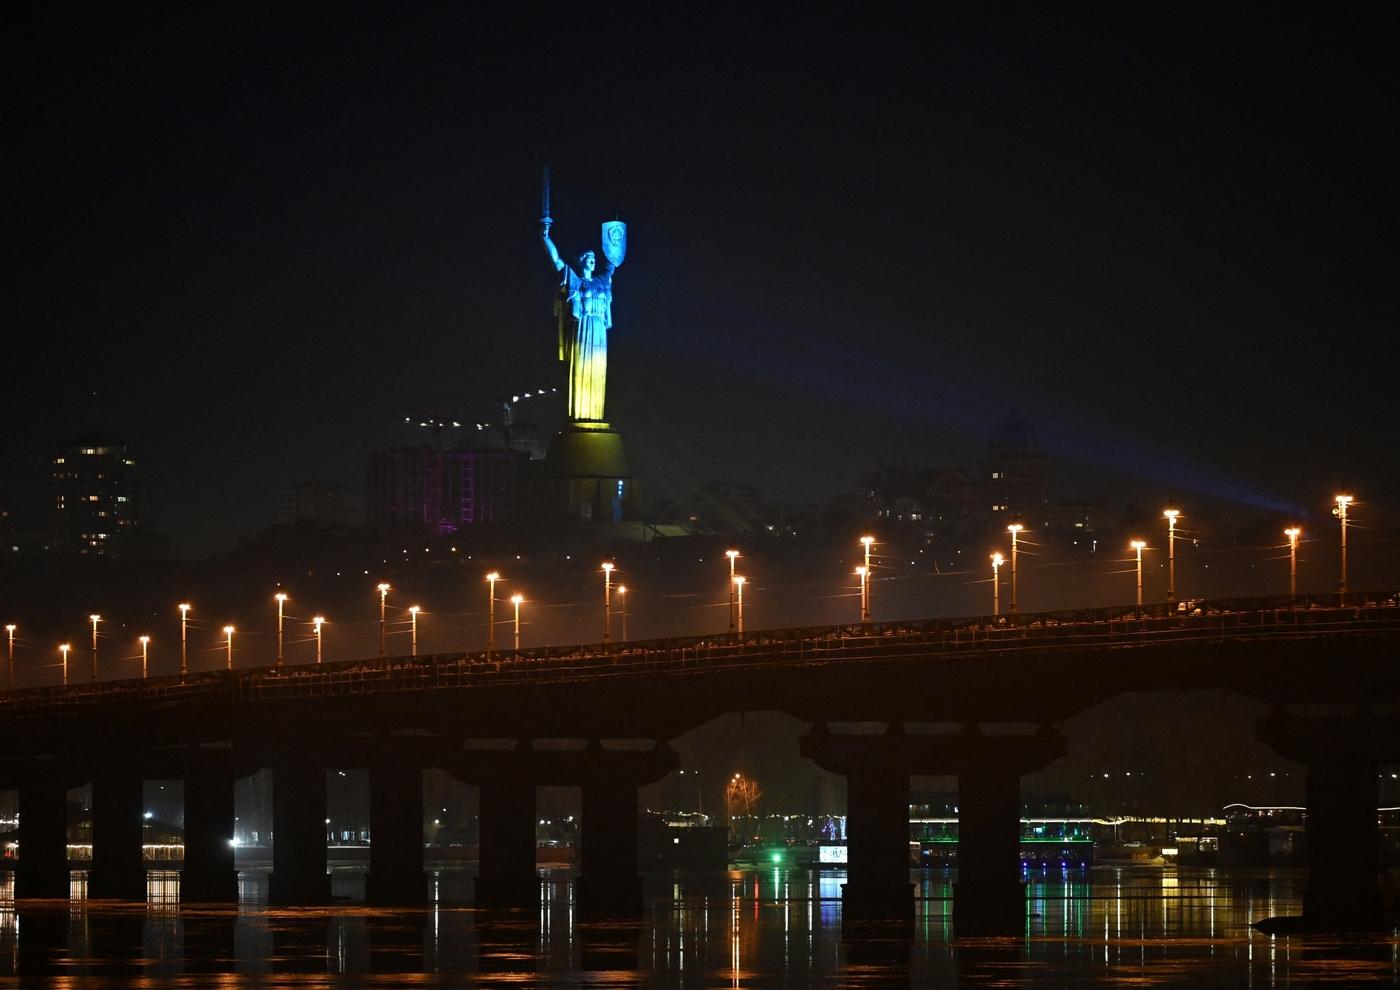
(516, 600)
(733, 555)
(10, 636)
(383, 607)
(867, 542)
(862, 572)
(94, 619)
(607, 601)
(491, 580)
(228, 633)
(413, 611)
(1014, 529)
(1293, 532)
(145, 642)
(316, 625)
(1138, 545)
(281, 599)
(64, 650)
(622, 601)
(739, 614)
(1171, 516)
(1343, 502)
(184, 608)
(997, 560)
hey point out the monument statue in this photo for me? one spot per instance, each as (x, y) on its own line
(587, 454)
(584, 311)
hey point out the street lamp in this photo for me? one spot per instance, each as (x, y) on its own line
(413, 611)
(316, 625)
(607, 601)
(10, 635)
(1138, 545)
(622, 600)
(733, 555)
(281, 598)
(145, 641)
(516, 600)
(861, 573)
(1293, 532)
(867, 542)
(184, 608)
(1341, 513)
(1014, 529)
(228, 634)
(739, 602)
(1171, 516)
(64, 650)
(383, 605)
(997, 560)
(491, 580)
(94, 619)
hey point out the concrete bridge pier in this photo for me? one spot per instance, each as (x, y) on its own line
(299, 835)
(609, 883)
(396, 831)
(209, 873)
(507, 877)
(1343, 836)
(42, 869)
(118, 827)
(877, 888)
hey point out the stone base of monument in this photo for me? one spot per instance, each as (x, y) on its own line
(588, 468)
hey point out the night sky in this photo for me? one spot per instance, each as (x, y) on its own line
(251, 245)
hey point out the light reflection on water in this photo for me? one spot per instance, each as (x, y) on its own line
(767, 927)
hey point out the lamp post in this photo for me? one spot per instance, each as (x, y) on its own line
(1343, 501)
(281, 598)
(1014, 529)
(145, 670)
(861, 574)
(516, 600)
(316, 625)
(94, 619)
(10, 635)
(228, 634)
(184, 637)
(867, 542)
(383, 607)
(997, 560)
(1293, 532)
(607, 601)
(1138, 545)
(732, 556)
(739, 602)
(491, 580)
(1171, 516)
(622, 602)
(413, 611)
(64, 650)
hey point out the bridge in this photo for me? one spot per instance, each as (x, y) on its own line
(480, 715)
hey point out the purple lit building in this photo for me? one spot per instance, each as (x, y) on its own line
(439, 491)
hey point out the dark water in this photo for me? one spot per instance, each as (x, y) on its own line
(760, 928)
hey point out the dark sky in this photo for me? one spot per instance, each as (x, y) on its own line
(252, 243)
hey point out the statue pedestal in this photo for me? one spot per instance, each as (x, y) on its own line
(589, 471)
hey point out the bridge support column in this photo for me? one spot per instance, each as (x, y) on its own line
(209, 873)
(609, 884)
(42, 869)
(396, 834)
(299, 836)
(1343, 837)
(877, 888)
(118, 827)
(989, 897)
(506, 876)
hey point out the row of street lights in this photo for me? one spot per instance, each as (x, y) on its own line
(736, 597)
(1171, 515)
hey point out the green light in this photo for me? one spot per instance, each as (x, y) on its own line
(776, 857)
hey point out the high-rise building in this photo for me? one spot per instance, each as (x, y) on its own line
(314, 501)
(94, 496)
(440, 491)
(1013, 474)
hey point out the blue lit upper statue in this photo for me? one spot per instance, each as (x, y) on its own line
(584, 310)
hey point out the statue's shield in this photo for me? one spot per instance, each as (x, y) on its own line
(615, 241)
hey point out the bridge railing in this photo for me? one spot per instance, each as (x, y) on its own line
(1112, 627)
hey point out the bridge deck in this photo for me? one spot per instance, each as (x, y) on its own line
(1103, 629)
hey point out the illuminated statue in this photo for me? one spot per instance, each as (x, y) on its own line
(584, 311)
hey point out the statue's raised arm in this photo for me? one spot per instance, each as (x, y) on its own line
(550, 248)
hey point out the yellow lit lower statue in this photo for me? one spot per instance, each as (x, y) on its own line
(584, 311)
